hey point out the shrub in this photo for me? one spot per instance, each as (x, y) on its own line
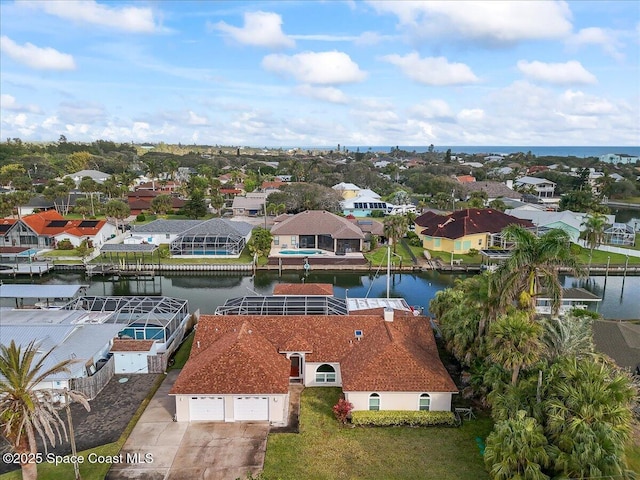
(377, 213)
(64, 245)
(342, 409)
(390, 418)
(140, 217)
(414, 239)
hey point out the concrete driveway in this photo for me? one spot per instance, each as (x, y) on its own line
(161, 449)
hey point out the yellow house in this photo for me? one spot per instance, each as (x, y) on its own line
(347, 190)
(463, 230)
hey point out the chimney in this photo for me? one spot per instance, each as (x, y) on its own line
(388, 314)
(509, 184)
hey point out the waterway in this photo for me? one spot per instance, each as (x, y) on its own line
(621, 295)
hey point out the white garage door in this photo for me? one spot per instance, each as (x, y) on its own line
(206, 408)
(251, 408)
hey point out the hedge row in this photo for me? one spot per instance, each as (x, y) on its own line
(389, 418)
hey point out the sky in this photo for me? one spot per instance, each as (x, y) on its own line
(322, 73)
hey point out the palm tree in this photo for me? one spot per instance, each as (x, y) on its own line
(395, 227)
(593, 234)
(533, 267)
(518, 448)
(571, 336)
(515, 340)
(588, 417)
(26, 411)
(117, 209)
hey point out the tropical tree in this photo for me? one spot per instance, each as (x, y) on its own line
(571, 336)
(152, 168)
(518, 449)
(395, 226)
(533, 267)
(588, 417)
(162, 204)
(260, 242)
(117, 209)
(594, 226)
(498, 204)
(195, 206)
(217, 202)
(478, 199)
(515, 342)
(89, 186)
(27, 412)
(441, 200)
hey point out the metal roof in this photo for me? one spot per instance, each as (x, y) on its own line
(356, 304)
(76, 342)
(283, 305)
(575, 294)
(216, 226)
(39, 291)
(128, 247)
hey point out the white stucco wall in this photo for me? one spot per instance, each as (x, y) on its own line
(399, 400)
(310, 374)
(278, 407)
(153, 238)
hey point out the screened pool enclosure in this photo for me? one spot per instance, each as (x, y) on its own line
(219, 238)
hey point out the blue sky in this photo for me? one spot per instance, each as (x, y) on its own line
(304, 73)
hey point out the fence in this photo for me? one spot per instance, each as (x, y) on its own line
(92, 385)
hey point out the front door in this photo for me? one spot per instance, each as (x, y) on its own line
(296, 364)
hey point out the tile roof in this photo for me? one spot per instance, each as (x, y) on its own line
(239, 353)
(466, 179)
(52, 223)
(130, 345)
(467, 222)
(493, 189)
(308, 289)
(318, 222)
(213, 226)
(240, 360)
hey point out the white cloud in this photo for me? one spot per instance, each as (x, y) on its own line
(488, 21)
(435, 108)
(471, 115)
(195, 119)
(432, 70)
(126, 18)
(263, 29)
(85, 112)
(8, 102)
(36, 57)
(579, 103)
(606, 39)
(571, 72)
(323, 68)
(328, 94)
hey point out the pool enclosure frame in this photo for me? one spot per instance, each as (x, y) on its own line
(143, 318)
(198, 244)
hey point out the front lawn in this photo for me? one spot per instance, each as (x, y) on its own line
(378, 257)
(324, 450)
(466, 258)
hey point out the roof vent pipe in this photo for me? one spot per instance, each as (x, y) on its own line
(388, 314)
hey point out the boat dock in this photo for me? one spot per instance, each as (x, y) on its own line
(31, 269)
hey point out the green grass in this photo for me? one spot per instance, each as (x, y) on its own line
(600, 258)
(324, 450)
(148, 258)
(182, 354)
(466, 259)
(379, 256)
(90, 471)
(633, 458)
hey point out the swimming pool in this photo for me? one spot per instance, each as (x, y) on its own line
(28, 253)
(301, 252)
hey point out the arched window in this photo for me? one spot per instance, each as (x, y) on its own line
(374, 401)
(425, 402)
(325, 373)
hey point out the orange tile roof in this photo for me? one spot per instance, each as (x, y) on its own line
(466, 179)
(321, 289)
(239, 353)
(41, 224)
(131, 345)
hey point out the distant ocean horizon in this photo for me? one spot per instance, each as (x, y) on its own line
(538, 151)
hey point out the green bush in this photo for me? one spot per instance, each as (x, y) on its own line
(64, 245)
(391, 418)
(140, 217)
(413, 239)
(377, 213)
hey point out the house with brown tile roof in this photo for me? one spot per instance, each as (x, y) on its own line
(241, 366)
(463, 230)
(317, 229)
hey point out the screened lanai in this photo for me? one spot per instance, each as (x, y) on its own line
(284, 305)
(143, 318)
(222, 238)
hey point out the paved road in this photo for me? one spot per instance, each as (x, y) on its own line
(189, 451)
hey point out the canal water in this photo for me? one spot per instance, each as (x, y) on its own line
(621, 295)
